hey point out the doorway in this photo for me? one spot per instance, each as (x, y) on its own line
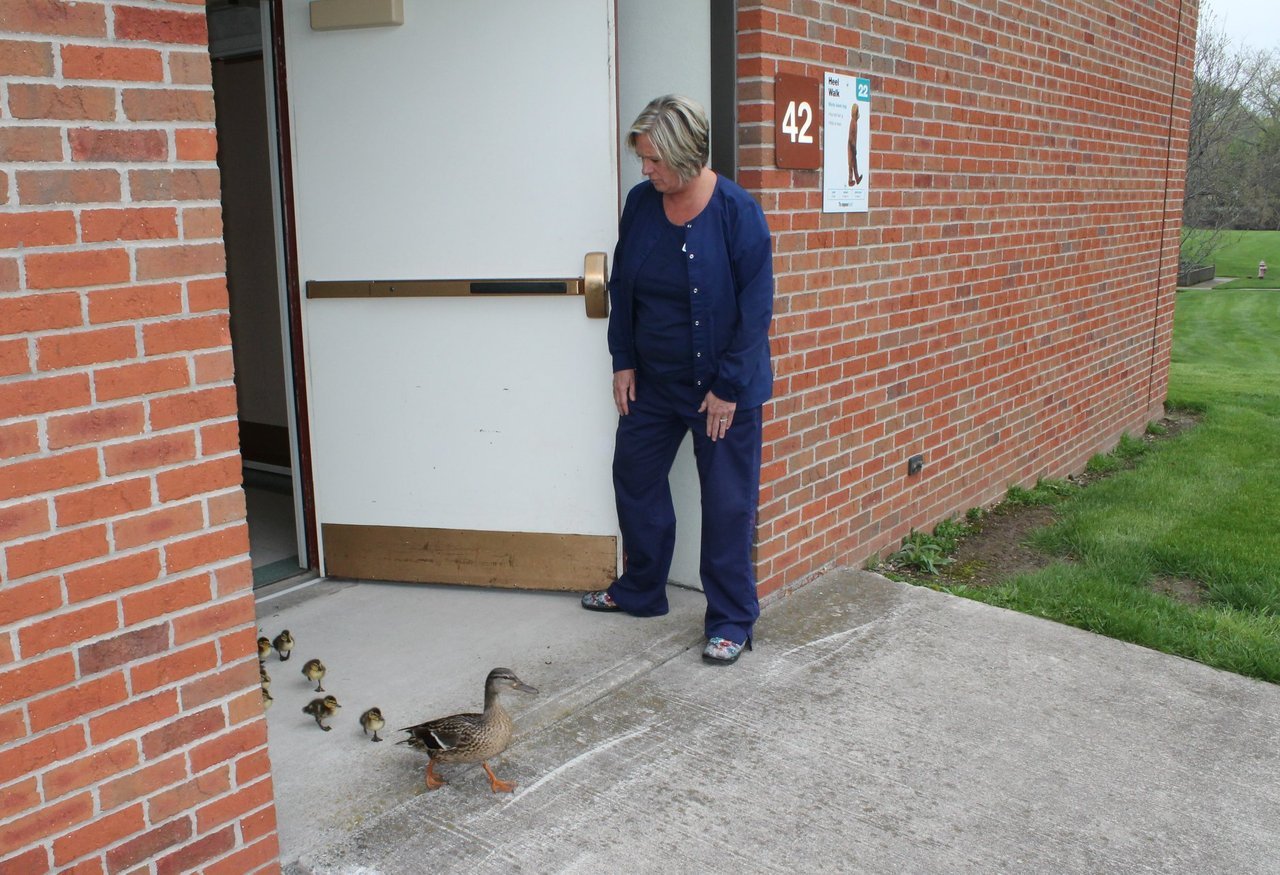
(261, 339)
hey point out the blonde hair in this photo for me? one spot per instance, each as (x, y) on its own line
(677, 126)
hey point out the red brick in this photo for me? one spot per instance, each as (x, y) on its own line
(56, 551)
(216, 367)
(40, 751)
(133, 303)
(159, 525)
(226, 508)
(196, 144)
(188, 795)
(167, 598)
(168, 105)
(68, 186)
(29, 144)
(46, 228)
(28, 600)
(96, 426)
(74, 703)
(210, 294)
(182, 731)
(60, 351)
(173, 667)
(71, 102)
(19, 439)
(105, 830)
(33, 861)
(202, 223)
(257, 856)
(21, 520)
(213, 620)
(112, 63)
(54, 17)
(18, 798)
(48, 473)
(234, 577)
(220, 685)
(135, 714)
(114, 575)
(147, 223)
(207, 549)
(12, 726)
(42, 395)
(127, 647)
(92, 267)
(180, 335)
(144, 24)
(198, 852)
(149, 453)
(188, 407)
(188, 184)
(180, 261)
(237, 804)
(67, 628)
(190, 68)
(44, 822)
(15, 358)
(8, 266)
(39, 313)
(149, 844)
(25, 58)
(143, 782)
(33, 677)
(253, 765)
(99, 765)
(213, 476)
(224, 437)
(103, 502)
(91, 144)
(229, 745)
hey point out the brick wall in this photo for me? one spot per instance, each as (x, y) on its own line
(1005, 307)
(131, 732)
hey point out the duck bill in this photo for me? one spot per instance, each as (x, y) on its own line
(525, 688)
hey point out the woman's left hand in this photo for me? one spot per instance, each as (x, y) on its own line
(719, 415)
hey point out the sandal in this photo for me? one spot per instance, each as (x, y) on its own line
(722, 651)
(600, 600)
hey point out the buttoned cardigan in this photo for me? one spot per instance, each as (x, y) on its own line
(730, 262)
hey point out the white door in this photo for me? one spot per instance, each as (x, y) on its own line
(461, 438)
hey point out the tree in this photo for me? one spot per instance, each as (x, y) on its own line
(1234, 143)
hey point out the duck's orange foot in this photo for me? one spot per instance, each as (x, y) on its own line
(496, 785)
(433, 783)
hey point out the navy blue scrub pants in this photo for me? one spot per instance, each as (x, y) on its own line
(729, 471)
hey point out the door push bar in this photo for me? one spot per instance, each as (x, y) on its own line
(593, 286)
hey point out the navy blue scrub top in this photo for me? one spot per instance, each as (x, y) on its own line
(664, 348)
(728, 283)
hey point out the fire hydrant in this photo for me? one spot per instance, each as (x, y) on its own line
(1262, 270)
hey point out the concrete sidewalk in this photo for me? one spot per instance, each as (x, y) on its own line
(877, 727)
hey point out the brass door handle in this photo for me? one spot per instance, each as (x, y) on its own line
(595, 284)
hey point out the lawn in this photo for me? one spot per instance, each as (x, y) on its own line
(1241, 252)
(1201, 510)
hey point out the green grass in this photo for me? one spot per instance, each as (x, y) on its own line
(1242, 250)
(1203, 507)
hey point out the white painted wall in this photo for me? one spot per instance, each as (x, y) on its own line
(664, 47)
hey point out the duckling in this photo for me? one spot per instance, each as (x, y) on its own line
(470, 738)
(267, 699)
(264, 677)
(322, 709)
(283, 644)
(313, 670)
(264, 648)
(372, 721)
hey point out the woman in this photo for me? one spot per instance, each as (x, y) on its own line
(692, 295)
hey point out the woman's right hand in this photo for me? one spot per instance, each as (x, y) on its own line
(624, 390)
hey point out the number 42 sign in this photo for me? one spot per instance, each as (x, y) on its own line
(796, 100)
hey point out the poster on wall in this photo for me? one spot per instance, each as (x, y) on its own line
(846, 143)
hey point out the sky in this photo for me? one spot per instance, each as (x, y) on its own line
(1248, 23)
